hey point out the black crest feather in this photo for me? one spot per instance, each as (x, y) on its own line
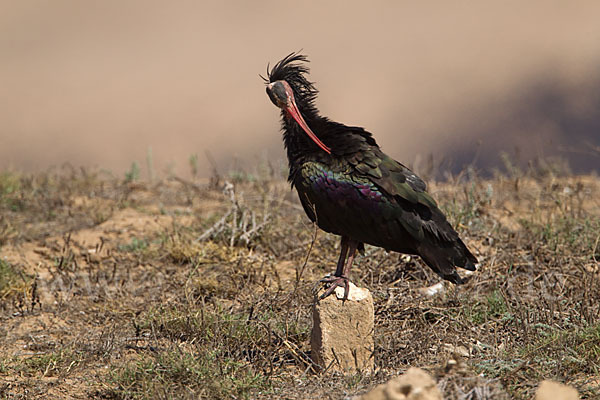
(292, 69)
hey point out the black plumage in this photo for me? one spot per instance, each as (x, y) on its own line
(349, 187)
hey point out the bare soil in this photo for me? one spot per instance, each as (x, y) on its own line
(120, 289)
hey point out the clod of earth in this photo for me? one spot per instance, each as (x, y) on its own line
(550, 390)
(414, 384)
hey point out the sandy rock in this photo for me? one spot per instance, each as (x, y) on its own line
(458, 350)
(550, 390)
(342, 335)
(414, 384)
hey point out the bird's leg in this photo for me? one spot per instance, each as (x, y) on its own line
(339, 271)
(340, 278)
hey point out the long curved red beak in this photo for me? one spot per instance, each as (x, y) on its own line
(292, 109)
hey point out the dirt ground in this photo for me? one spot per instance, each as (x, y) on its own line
(120, 289)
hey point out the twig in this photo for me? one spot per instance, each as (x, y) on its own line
(214, 228)
(301, 272)
(186, 183)
(595, 248)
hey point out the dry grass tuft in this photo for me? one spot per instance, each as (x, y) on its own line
(119, 289)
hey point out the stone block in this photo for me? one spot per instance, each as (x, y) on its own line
(342, 335)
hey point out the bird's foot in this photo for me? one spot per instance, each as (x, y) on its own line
(333, 282)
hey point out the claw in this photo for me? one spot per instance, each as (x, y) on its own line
(334, 282)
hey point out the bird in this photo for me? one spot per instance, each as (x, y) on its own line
(349, 187)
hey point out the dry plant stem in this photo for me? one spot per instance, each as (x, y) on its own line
(595, 248)
(238, 223)
(300, 272)
(177, 329)
(215, 228)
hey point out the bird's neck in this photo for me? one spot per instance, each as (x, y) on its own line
(300, 148)
(298, 144)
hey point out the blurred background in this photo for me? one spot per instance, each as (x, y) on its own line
(103, 84)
